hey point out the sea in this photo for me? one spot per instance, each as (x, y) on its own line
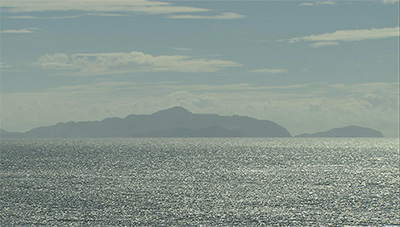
(200, 182)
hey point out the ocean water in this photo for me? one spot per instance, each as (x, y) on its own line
(212, 182)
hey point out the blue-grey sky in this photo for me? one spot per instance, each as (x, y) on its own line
(307, 65)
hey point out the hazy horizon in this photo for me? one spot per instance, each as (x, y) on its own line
(179, 110)
(309, 66)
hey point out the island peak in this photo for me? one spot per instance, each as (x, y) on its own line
(177, 110)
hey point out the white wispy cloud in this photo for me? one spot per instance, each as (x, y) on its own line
(351, 35)
(108, 8)
(142, 6)
(268, 71)
(390, 1)
(334, 38)
(69, 16)
(4, 66)
(106, 14)
(222, 16)
(100, 87)
(129, 62)
(181, 48)
(20, 17)
(317, 3)
(9, 68)
(20, 31)
(322, 44)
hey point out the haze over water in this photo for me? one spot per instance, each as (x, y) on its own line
(293, 181)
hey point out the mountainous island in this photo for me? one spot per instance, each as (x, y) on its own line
(349, 131)
(178, 122)
(173, 122)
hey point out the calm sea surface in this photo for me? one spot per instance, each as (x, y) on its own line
(227, 182)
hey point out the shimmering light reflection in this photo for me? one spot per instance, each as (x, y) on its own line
(200, 182)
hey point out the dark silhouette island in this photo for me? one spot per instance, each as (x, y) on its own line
(349, 131)
(178, 122)
(173, 122)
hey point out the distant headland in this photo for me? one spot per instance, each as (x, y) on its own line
(349, 131)
(178, 122)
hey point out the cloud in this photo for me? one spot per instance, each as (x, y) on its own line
(128, 62)
(20, 31)
(20, 17)
(329, 39)
(56, 61)
(322, 44)
(140, 6)
(181, 48)
(317, 3)
(69, 16)
(350, 35)
(105, 14)
(223, 16)
(8, 68)
(390, 1)
(4, 66)
(87, 89)
(107, 8)
(268, 71)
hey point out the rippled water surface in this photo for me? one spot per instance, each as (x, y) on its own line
(200, 182)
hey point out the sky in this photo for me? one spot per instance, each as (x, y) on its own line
(307, 65)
